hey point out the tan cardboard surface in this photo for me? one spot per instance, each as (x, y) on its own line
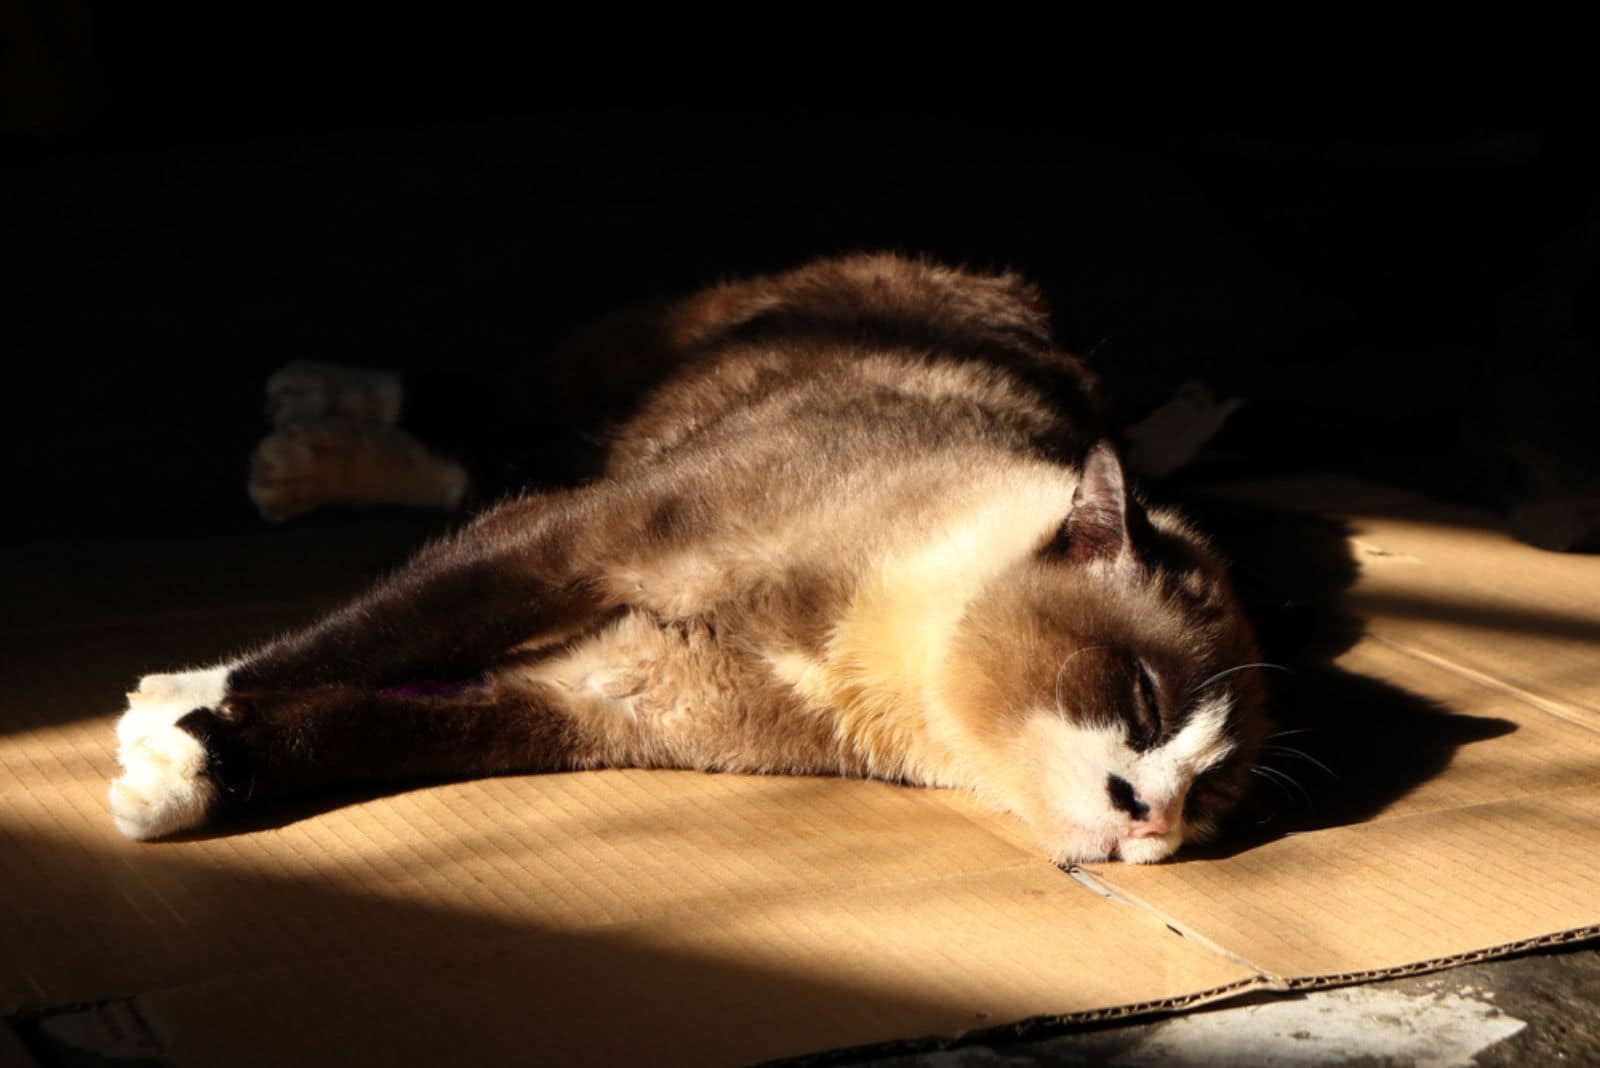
(735, 986)
(1446, 583)
(621, 916)
(1384, 895)
(697, 918)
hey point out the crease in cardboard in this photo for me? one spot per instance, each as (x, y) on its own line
(1571, 712)
(1105, 889)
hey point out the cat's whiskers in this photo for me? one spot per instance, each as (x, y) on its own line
(1070, 658)
(1279, 778)
(1302, 755)
(1225, 672)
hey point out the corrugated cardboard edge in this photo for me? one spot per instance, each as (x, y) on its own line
(1262, 983)
(1037, 1027)
(1508, 949)
(1032, 1027)
(1545, 703)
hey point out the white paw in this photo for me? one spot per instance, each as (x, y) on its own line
(302, 392)
(151, 701)
(163, 787)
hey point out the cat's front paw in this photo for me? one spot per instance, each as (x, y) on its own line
(163, 787)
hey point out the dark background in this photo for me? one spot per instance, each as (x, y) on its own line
(1382, 236)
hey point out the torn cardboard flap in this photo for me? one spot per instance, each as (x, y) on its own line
(677, 917)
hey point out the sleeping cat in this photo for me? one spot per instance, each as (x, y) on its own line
(865, 527)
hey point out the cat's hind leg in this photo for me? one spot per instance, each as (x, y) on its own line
(183, 766)
(350, 696)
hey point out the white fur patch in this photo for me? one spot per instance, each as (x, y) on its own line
(1202, 742)
(163, 787)
(1083, 824)
(1075, 820)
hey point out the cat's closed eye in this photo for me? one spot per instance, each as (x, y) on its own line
(1149, 694)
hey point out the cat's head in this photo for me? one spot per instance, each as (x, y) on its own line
(1111, 681)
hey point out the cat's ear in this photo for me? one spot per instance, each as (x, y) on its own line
(1106, 522)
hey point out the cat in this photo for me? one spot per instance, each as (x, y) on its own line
(866, 526)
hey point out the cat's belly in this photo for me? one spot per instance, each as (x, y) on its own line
(653, 693)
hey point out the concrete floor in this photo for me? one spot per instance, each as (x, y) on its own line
(1541, 1008)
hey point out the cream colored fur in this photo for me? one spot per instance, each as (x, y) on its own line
(887, 649)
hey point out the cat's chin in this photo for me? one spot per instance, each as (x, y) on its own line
(1090, 848)
(1148, 850)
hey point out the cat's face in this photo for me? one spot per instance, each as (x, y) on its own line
(1110, 687)
(1144, 750)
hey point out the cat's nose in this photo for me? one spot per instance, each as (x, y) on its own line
(1146, 819)
(1157, 822)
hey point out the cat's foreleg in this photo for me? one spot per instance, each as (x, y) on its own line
(529, 568)
(526, 570)
(183, 768)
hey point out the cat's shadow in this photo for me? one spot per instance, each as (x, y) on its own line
(1346, 746)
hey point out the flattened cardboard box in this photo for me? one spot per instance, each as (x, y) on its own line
(684, 918)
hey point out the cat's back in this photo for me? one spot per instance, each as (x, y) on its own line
(863, 358)
(852, 412)
(847, 456)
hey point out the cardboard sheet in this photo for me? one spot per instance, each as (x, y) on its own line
(682, 918)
